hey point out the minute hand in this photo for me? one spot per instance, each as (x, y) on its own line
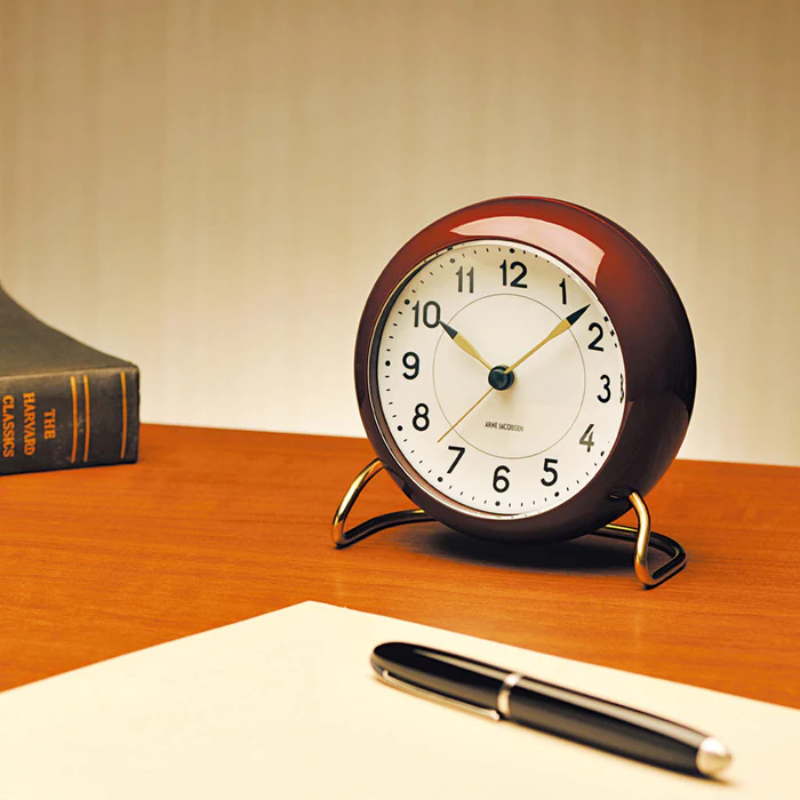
(562, 326)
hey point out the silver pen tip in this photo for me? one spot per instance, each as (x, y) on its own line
(712, 757)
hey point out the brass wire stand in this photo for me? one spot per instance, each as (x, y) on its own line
(642, 536)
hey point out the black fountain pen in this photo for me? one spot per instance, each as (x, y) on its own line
(500, 694)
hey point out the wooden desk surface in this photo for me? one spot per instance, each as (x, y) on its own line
(214, 526)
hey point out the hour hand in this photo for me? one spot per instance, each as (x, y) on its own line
(466, 346)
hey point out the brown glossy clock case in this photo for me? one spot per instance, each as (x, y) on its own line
(653, 333)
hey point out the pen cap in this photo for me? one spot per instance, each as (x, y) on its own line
(443, 673)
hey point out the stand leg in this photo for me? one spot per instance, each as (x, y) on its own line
(342, 538)
(642, 536)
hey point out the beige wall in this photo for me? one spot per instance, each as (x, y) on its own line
(210, 187)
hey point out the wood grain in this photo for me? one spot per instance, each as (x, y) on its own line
(216, 526)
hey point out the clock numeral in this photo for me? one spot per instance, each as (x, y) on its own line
(551, 471)
(587, 440)
(563, 286)
(621, 389)
(411, 363)
(470, 277)
(460, 451)
(514, 281)
(421, 419)
(606, 389)
(593, 345)
(500, 482)
(431, 314)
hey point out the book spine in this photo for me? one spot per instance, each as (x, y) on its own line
(69, 419)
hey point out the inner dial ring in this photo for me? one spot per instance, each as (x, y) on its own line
(508, 423)
(515, 451)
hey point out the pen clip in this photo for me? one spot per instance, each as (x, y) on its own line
(412, 688)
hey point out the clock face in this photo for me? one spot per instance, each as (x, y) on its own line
(499, 378)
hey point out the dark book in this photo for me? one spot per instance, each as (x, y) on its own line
(62, 404)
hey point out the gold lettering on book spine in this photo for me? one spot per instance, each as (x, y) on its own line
(29, 417)
(49, 418)
(9, 427)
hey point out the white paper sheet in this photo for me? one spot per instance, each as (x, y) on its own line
(286, 706)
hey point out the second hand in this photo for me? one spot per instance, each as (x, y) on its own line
(468, 411)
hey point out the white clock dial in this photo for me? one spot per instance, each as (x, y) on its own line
(500, 378)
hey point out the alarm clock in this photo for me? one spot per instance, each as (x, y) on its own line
(525, 371)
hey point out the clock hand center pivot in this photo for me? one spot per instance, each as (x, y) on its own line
(500, 378)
